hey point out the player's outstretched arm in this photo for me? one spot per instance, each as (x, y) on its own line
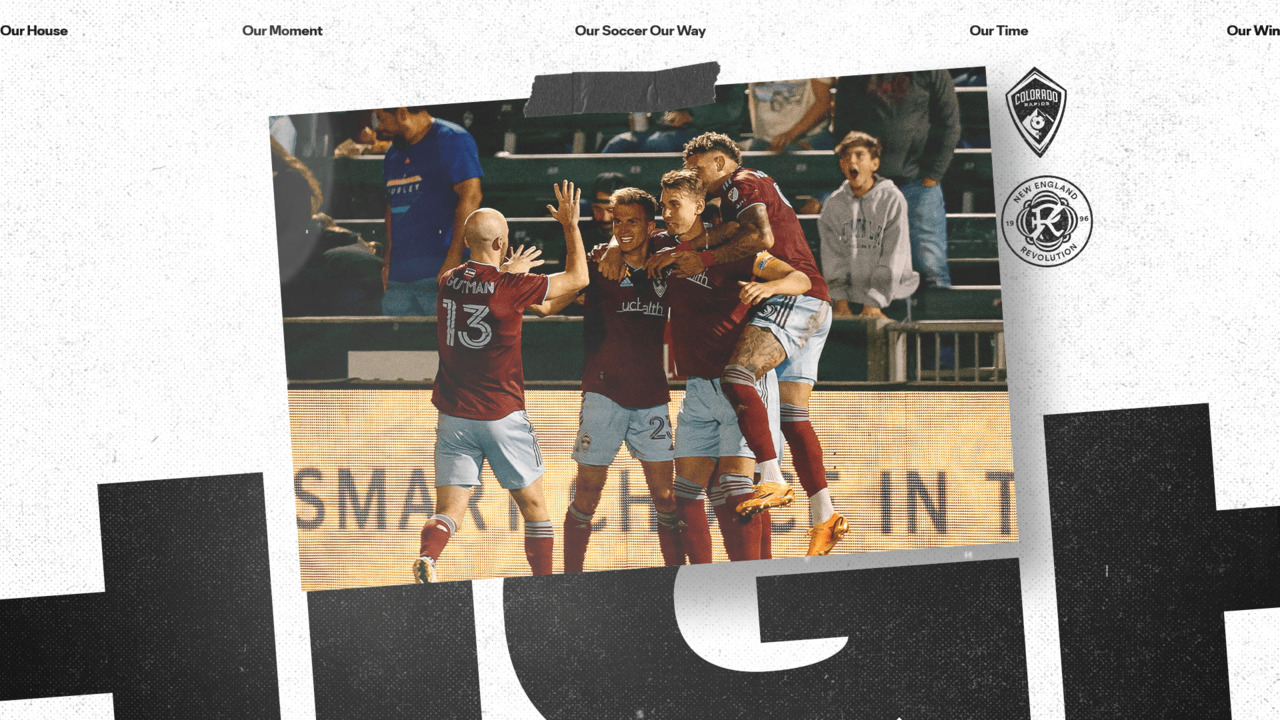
(574, 277)
(553, 305)
(779, 279)
(750, 234)
(522, 260)
(734, 240)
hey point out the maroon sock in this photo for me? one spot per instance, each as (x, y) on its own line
(435, 535)
(577, 533)
(539, 546)
(746, 532)
(670, 545)
(726, 518)
(695, 536)
(806, 451)
(739, 385)
(669, 538)
(766, 536)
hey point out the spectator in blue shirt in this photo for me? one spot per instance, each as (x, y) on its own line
(432, 177)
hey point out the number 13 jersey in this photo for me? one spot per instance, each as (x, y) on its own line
(478, 320)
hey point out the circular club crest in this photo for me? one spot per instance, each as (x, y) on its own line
(1046, 221)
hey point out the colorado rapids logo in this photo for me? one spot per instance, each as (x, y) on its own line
(1036, 104)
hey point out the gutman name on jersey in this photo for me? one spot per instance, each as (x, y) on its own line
(471, 287)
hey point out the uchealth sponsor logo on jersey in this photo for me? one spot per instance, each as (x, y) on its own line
(1046, 221)
(648, 308)
(1036, 104)
(700, 279)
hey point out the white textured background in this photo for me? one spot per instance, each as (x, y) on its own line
(141, 307)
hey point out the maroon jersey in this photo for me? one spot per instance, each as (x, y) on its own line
(707, 318)
(622, 330)
(478, 321)
(746, 187)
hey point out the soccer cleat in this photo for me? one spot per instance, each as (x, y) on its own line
(824, 536)
(424, 570)
(768, 496)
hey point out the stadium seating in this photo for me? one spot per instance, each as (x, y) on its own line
(518, 182)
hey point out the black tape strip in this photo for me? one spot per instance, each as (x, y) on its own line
(608, 92)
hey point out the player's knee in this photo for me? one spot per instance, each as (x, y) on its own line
(587, 499)
(662, 494)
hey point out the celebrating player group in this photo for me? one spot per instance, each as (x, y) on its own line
(749, 315)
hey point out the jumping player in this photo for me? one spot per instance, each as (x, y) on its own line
(624, 383)
(786, 332)
(709, 312)
(479, 389)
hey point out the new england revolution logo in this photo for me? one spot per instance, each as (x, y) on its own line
(1036, 103)
(1046, 221)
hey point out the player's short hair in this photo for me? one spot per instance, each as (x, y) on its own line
(635, 196)
(413, 109)
(607, 182)
(713, 142)
(857, 138)
(684, 181)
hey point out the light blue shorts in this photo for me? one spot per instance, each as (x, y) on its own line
(801, 324)
(509, 444)
(604, 425)
(708, 427)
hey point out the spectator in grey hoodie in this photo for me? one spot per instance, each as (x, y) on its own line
(866, 248)
(916, 117)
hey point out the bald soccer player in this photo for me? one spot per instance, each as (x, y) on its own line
(479, 389)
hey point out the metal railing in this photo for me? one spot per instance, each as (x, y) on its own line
(947, 351)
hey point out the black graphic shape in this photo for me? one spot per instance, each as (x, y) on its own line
(184, 629)
(933, 641)
(407, 651)
(1146, 566)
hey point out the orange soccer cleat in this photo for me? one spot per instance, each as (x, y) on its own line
(424, 570)
(824, 536)
(768, 496)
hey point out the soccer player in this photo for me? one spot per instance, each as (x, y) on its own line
(624, 383)
(709, 312)
(479, 389)
(786, 332)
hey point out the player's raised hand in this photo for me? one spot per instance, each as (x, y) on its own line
(568, 197)
(659, 262)
(610, 263)
(523, 259)
(688, 264)
(754, 292)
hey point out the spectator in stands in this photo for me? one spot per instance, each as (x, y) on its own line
(866, 248)
(675, 128)
(790, 115)
(600, 229)
(432, 177)
(297, 198)
(917, 119)
(283, 132)
(352, 273)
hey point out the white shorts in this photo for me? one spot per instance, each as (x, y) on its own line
(509, 444)
(604, 425)
(708, 426)
(801, 324)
